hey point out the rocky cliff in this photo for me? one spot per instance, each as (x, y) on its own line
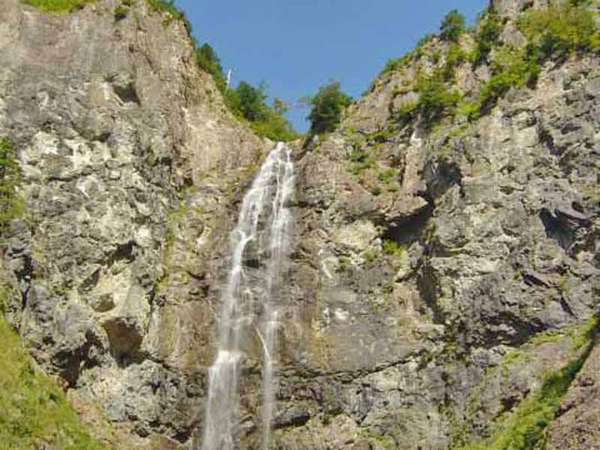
(443, 286)
(131, 165)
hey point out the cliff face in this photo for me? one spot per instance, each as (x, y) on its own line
(442, 273)
(438, 274)
(131, 164)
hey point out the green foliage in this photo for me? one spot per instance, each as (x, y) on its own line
(512, 68)
(388, 175)
(167, 6)
(454, 58)
(393, 248)
(436, 99)
(361, 160)
(560, 30)
(406, 112)
(426, 40)
(58, 6)
(370, 255)
(33, 410)
(275, 127)
(11, 205)
(207, 60)
(524, 428)
(488, 35)
(121, 12)
(453, 26)
(249, 103)
(327, 107)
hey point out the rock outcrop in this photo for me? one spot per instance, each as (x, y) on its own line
(438, 273)
(131, 166)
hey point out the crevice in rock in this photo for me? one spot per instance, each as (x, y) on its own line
(123, 252)
(440, 176)
(557, 229)
(127, 93)
(407, 230)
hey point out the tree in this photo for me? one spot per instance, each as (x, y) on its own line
(252, 101)
(453, 26)
(327, 107)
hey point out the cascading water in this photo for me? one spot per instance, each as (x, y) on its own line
(250, 303)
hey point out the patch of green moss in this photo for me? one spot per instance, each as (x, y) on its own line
(34, 412)
(58, 6)
(393, 248)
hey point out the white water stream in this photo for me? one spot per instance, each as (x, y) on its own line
(250, 304)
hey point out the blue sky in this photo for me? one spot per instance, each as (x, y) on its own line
(298, 45)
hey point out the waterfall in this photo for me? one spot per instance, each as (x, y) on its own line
(250, 302)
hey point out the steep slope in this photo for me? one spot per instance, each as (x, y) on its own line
(446, 265)
(130, 166)
(443, 288)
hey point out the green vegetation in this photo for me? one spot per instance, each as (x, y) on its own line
(560, 30)
(511, 68)
(33, 410)
(58, 6)
(327, 107)
(121, 12)
(393, 248)
(436, 99)
(557, 31)
(454, 58)
(167, 6)
(248, 102)
(361, 160)
(524, 428)
(488, 35)
(386, 176)
(453, 26)
(11, 205)
(208, 60)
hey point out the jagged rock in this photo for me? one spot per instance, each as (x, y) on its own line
(404, 305)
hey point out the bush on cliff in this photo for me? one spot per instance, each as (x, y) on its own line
(327, 107)
(560, 30)
(453, 26)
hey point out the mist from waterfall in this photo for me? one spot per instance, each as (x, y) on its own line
(251, 300)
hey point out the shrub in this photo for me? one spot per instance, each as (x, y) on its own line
(58, 6)
(512, 68)
(560, 30)
(436, 99)
(249, 103)
(454, 58)
(487, 36)
(453, 26)
(327, 107)
(121, 12)
(11, 205)
(388, 175)
(207, 60)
